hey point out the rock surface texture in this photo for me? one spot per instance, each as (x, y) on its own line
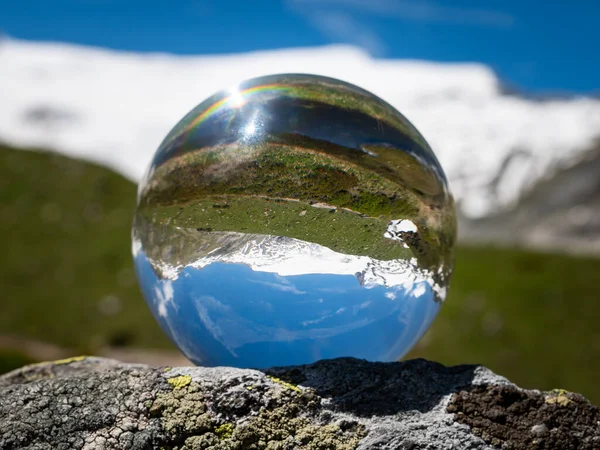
(95, 403)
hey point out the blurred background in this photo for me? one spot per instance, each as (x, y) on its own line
(506, 94)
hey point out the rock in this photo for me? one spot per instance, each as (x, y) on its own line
(539, 429)
(96, 403)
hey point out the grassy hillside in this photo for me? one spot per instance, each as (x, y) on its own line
(64, 235)
(67, 278)
(531, 317)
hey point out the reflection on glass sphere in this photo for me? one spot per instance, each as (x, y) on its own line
(290, 219)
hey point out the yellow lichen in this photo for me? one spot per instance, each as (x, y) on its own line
(180, 381)
(249, 388)
(224, 431)
(285, 384)
(558, 397)
(69, 360)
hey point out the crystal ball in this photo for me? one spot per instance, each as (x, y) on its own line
(294, 218)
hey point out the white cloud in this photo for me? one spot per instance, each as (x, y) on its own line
(416, 10)
(284, 287)
(419, 290)
(315, 321)
(363, 305)
(343, 27)
(351, 21)
(207, 306)
(136, 246)
(164, 294)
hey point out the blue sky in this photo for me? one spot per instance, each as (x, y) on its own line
(533, 45)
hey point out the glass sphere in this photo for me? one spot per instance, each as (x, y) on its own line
(290, 219)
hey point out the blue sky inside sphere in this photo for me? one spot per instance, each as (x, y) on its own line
(538, 47)
(230, 314)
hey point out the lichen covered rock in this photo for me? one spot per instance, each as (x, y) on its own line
(95, 403)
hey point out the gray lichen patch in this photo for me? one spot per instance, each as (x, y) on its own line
(87, 404)
(182, 412)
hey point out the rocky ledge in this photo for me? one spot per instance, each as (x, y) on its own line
(95, 403)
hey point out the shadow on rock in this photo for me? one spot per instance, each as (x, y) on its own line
(368, 389)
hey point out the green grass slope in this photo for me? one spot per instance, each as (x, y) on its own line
(532, 317)
(65, 254)
(67, 278)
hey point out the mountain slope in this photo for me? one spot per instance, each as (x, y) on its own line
(115, 108)
(559, 212)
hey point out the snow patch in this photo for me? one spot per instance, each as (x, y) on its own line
(288, 257)
(115, 108)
